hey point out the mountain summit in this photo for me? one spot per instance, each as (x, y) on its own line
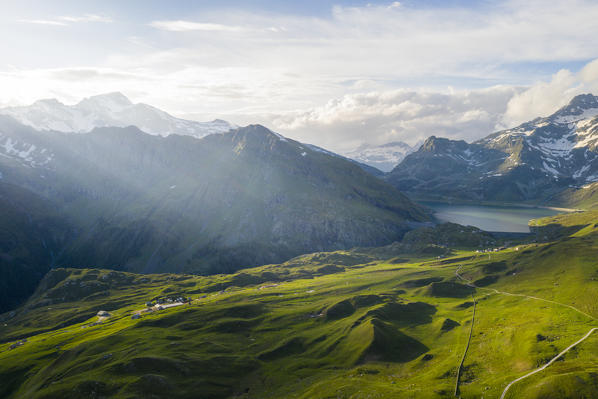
(110, 102)
(111, 109)
(583, 105)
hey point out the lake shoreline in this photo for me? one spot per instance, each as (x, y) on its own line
(494, 203)
(491, 218)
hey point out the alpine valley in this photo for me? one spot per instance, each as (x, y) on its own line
(164, 258)
(267, 199)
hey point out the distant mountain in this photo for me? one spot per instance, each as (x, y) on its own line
(384, 157)
(368, 168)
(534, 161)
(107, 110)
(146, 203)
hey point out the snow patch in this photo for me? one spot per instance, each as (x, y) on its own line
(280, 137)
(550, 169)
(24, 152)
(566, 119)
(580, 172)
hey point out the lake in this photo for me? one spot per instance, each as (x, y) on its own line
(490, 218)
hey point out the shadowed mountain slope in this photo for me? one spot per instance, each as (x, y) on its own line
(152, 204)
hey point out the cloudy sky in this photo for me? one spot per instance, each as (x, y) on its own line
(333, 73)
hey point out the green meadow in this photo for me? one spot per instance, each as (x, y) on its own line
(390, 322)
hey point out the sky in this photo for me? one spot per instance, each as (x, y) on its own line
(338, 74)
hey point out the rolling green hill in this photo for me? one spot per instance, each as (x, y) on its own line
(380, 322)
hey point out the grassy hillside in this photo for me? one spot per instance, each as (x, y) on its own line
(585, 197)
(377, 323)
(562, 225)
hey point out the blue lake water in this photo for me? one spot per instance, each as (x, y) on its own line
(490, 218)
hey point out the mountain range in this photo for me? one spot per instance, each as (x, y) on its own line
(116, 110)
(109, 110)
(123, 199)
(534, 161)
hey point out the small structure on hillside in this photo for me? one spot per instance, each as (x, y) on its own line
(17, 344)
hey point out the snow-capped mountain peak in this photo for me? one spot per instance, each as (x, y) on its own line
(384, 157)
(111, 109)
(114, 102)
(48, 102)
(561, 145)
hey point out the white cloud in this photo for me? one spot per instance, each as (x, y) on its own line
(67, 20)
(589, 73)
(544, 98)
(379, 117)
(399, 115)
(86, 18)
(43, 22)
(189, 26)
(396, 41)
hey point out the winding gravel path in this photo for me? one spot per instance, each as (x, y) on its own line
(549, 363)
(469, 283)
(504, 393)
(466, 348)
